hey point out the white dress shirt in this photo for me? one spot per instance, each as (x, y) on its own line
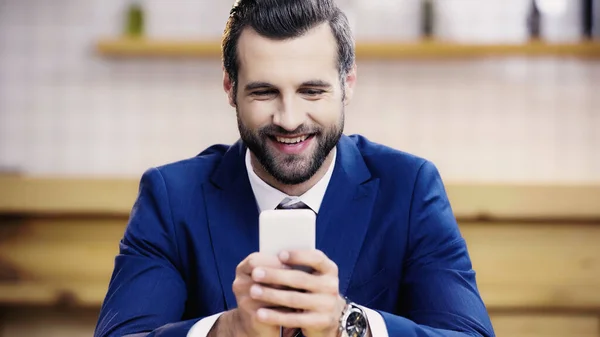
(268, 198)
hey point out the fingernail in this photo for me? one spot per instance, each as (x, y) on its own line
(255, 291)
(284, 256)
(258, 273)
(262, 313)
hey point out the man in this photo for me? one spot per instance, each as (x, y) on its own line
(390, 260)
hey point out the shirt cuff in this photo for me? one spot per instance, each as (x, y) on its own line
(203, 326)
(376, 323)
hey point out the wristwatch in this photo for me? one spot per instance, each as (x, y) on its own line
(353, 322)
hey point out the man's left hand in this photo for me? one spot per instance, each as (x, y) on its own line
(318, 308)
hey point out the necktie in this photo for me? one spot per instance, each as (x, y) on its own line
(288, 332)
(296, 205)
(292, 332)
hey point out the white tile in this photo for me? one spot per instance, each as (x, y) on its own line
(482, 21)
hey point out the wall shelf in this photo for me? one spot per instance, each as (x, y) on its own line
(115, 197)
(124, 47)
(60, 237)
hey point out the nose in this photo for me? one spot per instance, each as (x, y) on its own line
(289, 115)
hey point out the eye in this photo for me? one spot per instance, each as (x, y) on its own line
(313, 92)
(263, 93)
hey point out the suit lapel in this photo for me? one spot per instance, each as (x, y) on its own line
(232, 217)
(345, 213)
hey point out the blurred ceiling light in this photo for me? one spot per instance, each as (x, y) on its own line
(552, 7)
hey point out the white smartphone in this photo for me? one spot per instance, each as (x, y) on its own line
(293, 229)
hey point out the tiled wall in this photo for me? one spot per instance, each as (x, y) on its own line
(66, 111)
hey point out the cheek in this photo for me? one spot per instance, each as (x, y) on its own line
(255, 114)
(326, 113)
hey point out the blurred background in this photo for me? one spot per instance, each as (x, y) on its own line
(502, 95)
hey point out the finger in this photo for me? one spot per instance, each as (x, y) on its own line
(241, 288)
(305, 320)
(249, 304)
(295, 279)
(293, 299)
(258, 260)
(241, 284)
(315, 259)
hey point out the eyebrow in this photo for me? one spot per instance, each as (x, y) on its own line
(257, 85)
(316, 83)
(262, 85)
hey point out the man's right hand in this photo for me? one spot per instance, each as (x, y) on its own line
(242, 321)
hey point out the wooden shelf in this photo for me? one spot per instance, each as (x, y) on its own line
(84, 295)
(123, 47)
(520, 266)
(115, 197)
(60, 250)
(66, 196)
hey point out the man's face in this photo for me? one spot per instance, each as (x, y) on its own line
(290, 101)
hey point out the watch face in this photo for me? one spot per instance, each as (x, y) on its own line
(356, 325)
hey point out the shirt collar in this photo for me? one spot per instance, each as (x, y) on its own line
(268, 197)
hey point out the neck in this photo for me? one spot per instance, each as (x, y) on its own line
(291, 190)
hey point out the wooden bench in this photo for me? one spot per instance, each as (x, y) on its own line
(536, 249)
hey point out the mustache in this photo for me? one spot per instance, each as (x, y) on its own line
(271, 130)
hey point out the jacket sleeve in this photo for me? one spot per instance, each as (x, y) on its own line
(146, 294)
(439, 295)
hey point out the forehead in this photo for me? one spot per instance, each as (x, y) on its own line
(312, 55)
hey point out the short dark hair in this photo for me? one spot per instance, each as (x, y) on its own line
(285, 19)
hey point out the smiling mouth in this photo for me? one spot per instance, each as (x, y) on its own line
(291, 141)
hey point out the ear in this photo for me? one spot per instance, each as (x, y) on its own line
(350, 84)
(228, 87)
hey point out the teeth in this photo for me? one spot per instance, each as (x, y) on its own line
(291, 140)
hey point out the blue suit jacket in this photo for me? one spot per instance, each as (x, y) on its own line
(385, 220)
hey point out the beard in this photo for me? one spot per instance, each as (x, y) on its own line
(291, 169)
